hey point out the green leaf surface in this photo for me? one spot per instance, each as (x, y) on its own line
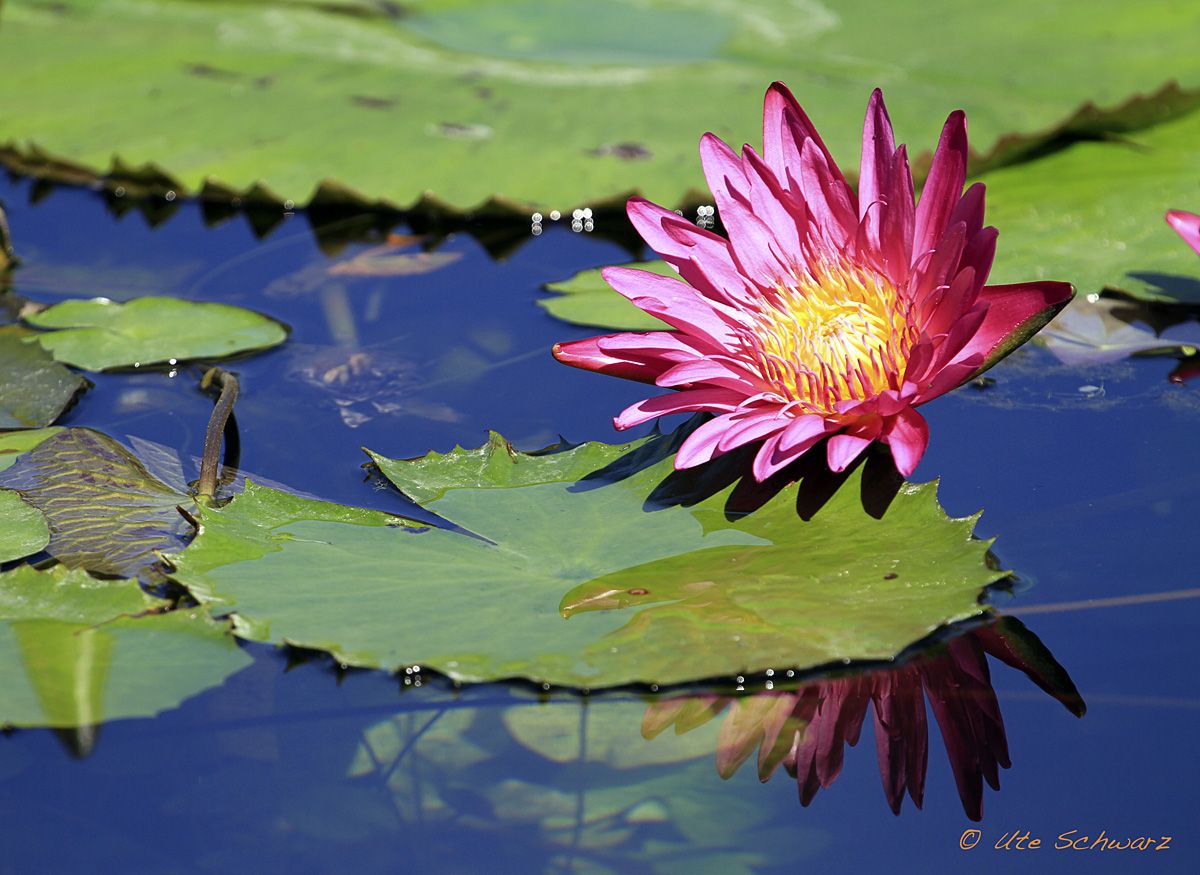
(586, 299)
(23, 529)
(107, 513)
(76, 651)
(100, 333)
(34, 389)
(577, 582)
(540, 104)
(1093, 215)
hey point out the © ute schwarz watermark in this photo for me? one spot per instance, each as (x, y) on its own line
(1068, 840)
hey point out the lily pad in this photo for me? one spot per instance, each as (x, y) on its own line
(23, 529)
(100, 333)
(579, 581)
(34, 389)
(545, 105)
(586, 299)
(76, 651)
(1093, 215)
(107, 513)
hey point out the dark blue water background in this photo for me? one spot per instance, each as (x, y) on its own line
(1091, 494)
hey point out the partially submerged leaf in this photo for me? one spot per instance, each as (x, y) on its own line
(34, 389)
(23, 529)
(577, 581)
(586, 299)
(100, 334)
(76, 651)
(1107, 330)
(107, 513)
(386, 261)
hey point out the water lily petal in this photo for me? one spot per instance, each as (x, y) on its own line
(686, 401)
(943, 187)
(908, 436)
(1187, 226)
(1015, 313)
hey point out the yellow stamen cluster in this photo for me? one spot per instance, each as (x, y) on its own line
(838, 332)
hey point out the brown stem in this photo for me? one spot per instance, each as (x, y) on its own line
(207, 486)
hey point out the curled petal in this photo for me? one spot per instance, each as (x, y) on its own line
(687, 401)
(1015, 313)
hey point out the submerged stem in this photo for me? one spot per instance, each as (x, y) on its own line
(207, 486)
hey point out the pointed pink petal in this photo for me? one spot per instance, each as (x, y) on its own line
(674, 302)
(785, 130)
(908, 438)
(844, 449)
(1015, 313)
(702, 258)
(754, 426)
(802, 430)
(969, 209)
(1187, 225)
(783, 212)
(687, 401)
(712, 371)
(702, 444)
(943, 186)
(830, 206)
(771, 459)
(878, 146)
(587, 355)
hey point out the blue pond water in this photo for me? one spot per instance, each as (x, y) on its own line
(297, 767)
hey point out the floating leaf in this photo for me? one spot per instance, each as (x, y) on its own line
(573, 102)
(1108, 330)
(34, 389)
(1093, 215)
(586, 299)
(385, 261)
(107, 513)
(99, 334)
(578, 582)
(23, 529)
(76, 651)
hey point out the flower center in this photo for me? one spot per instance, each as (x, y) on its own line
(839, 333)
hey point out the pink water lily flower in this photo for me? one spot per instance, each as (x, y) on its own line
(826, 312)
(1187, 226)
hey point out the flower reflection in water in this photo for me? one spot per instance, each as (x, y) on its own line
(806, 730)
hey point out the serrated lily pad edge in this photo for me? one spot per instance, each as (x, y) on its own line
(151, 182)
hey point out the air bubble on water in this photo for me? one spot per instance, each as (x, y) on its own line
(170, 195)
(555, 215)
(588, 225)
(576, 214)
(770, 685)
(546, 687)
(537, 218)
(654, 688)
(576, 226)
(1093, 298)
(289, 205)
(790, 673)
(172, 361)
(740, 679)
(536, 230)
(587, 212)
(770, 672)
(119, 191)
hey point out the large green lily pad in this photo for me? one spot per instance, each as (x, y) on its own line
(76, 651)
(100, 333)
(547, 105)
(577, 582)
(23, 529)
(1093, 215)
(107, 512)
(34, 389)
